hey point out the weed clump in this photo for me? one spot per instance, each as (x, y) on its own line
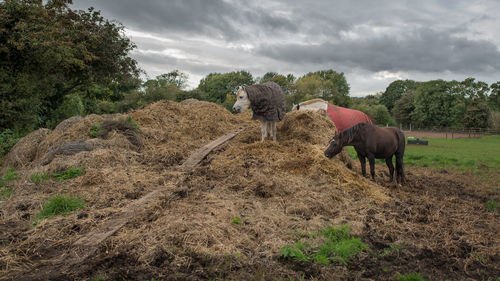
(69, 174)
(39, 177)
(491, 205)
(5, 192)
(60, 205)
(333, 245)
(410, 277)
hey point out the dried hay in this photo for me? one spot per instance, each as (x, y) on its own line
(276, 188)
(25, 150)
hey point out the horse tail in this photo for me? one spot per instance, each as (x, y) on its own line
(400, 152)
(401, 142)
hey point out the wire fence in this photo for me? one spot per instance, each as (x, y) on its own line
(448, 132)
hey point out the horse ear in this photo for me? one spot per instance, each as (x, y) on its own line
(298, 106)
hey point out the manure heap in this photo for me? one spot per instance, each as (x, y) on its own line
(276, 189)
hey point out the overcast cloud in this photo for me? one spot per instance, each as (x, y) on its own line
(372, 42)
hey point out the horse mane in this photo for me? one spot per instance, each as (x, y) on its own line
(348, 135)
(312, 101)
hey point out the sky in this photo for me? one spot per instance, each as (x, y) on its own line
(373, 42)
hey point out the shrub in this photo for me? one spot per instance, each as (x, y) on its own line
(7, 140)
(60, 205)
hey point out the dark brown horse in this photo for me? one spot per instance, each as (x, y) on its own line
(372, 142)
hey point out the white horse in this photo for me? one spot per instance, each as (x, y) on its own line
(314, 104)
(268, 105)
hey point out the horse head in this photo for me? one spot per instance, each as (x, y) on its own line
(334, 146)
(242, 101)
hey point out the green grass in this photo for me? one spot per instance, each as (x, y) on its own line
(10, 175)
(5, 192)
(393, 247)
(39, 177)
(410, 277)
(68, 174)
(94, 131)
(474, 155)
(332, 245)
(491, 205)
(132, 123)
(236, 221)
(59, 205)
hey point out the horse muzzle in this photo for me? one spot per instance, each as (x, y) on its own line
(237, 109)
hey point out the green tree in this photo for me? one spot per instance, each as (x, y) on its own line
(337, 91)
(494, 97)
(174, 77)
(437, 105)
(321, 84)
(395, 91)
(284, 81)
(403, 109)
(477, 115)
(52, 56)
(474, 96)
(217, 85)
(371, 106)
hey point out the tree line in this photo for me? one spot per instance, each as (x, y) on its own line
(58, 62)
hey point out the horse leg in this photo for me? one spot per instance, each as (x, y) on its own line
(400, 174)
(263, 130)
(371, 160)
(388, 161)
(362, 161)
(274, 130)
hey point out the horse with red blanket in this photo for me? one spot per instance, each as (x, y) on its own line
(342, 117)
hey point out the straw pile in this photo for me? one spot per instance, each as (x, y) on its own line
(274, 188)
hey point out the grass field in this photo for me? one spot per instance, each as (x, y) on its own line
(474, 155)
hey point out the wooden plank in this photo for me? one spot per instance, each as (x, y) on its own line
(96, 236)
(202, 152)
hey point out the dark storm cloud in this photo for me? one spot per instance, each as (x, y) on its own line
(373, 42)
(214, 18)
(423, 50)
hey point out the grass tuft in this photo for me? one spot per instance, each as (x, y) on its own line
(69, 174)
(39, 177)
(5, 192)
(60, 205)
(333, 245)
(491, 205)
(10, 175)
(410, 277)
(236, 221)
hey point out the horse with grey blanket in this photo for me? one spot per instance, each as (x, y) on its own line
(268, 105)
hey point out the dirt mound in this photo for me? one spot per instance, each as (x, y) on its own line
(224, 219)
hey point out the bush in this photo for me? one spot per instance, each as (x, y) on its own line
(8, 139)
